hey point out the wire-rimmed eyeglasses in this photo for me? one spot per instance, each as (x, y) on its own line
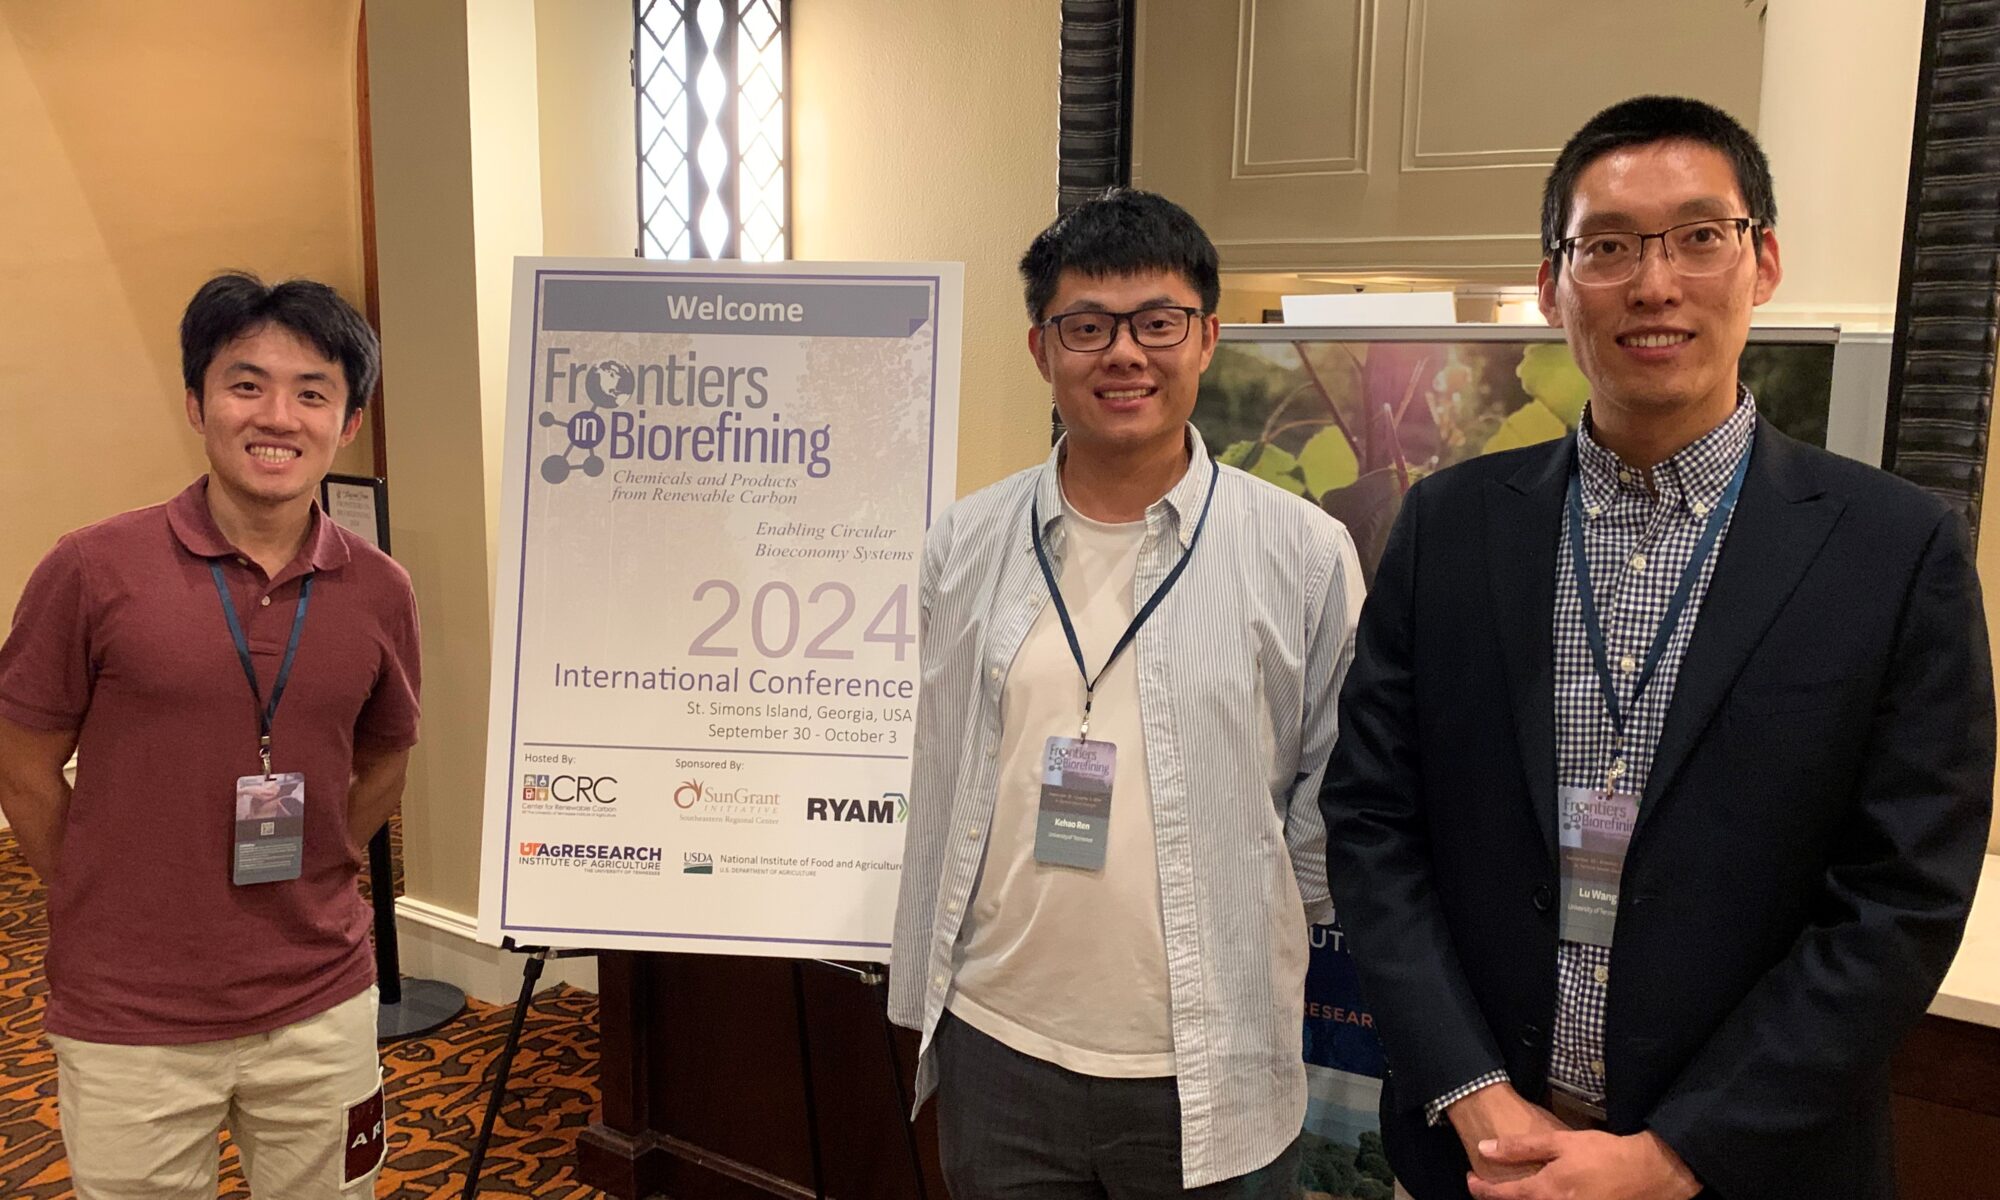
(1694, 248)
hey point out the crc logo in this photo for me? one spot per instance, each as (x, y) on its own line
(534, 788)
(892, 807)
(687, 794)
(587, 789)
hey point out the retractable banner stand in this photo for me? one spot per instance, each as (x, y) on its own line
(716, 483)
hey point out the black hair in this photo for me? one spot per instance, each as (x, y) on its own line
(236, 303)
(1643, 120)
(1122, 232)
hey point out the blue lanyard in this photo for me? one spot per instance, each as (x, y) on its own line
(265, 712)
(1593, 627)
(1138, 619)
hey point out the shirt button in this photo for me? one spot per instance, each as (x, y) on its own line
(972, 835)
(994, 674)
(1601, 974)
(242, 561)
(1597, 1067)
(1624, 476)
(1594, 509)
(992, 747)
(1638, 562)
(1627, 665)
(1700, 509)
(264, 603)
(940, 980)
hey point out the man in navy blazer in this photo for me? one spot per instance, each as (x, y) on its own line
(1666, 757)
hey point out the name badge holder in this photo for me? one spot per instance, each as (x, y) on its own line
(1072, 827)
(1594, 825)
(270, 808)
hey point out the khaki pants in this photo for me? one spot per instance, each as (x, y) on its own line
(140, 1122)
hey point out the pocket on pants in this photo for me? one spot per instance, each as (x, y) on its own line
(366, 1143)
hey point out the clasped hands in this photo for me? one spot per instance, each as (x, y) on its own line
(1520, 1151)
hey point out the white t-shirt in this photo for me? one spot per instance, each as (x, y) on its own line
(1068, 965)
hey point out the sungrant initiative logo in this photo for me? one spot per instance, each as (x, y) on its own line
(595, 858)
(698, 801)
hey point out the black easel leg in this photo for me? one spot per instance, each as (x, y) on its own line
(806, 1077)
(531, 971)
(903, 1104)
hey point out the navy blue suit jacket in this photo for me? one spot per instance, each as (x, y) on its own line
(1807, 845)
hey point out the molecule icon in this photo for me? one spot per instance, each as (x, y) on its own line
(606, 384)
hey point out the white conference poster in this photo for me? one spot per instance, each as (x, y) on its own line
(716, 483)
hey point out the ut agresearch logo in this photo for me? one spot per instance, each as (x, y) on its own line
(569, 795)
(893, 807)
(596, 858)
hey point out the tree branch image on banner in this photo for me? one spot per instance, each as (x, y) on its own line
(716, 483)
(1350, 422)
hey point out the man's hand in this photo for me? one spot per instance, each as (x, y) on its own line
(1585, 1166)
(377, 787)
(1499, 1112)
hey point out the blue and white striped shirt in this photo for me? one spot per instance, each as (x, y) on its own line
(1239, 672)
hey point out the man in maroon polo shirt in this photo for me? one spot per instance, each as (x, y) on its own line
(238, 677)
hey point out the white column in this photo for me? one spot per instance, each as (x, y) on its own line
(1836, 113)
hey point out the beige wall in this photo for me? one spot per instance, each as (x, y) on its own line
(923, 130)
(458, 186)
(589, 181)
(139, 153)
(1839, 101)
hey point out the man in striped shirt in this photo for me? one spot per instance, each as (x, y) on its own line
(1130, 655)
(1667, 755)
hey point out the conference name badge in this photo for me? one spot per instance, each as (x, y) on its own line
(270, 828)
(1594, 830)
(1073, 824)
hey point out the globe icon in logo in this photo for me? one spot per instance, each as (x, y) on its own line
(607, 384)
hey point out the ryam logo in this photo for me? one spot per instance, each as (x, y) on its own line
(892, 807)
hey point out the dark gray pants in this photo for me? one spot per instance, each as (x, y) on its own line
(1012, 1127)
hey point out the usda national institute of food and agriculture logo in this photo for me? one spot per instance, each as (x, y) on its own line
(607, 384)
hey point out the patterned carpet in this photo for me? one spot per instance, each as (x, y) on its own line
(437, 1085)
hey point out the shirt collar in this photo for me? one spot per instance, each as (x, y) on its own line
(1182, 502)
(1694, 478)
(194, 525)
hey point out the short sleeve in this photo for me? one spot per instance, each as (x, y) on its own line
(45, 663)
(389, 718)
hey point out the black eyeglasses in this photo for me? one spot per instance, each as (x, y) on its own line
(1158, 328)
(1695, 248)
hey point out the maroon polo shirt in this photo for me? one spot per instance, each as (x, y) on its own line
(120, 636)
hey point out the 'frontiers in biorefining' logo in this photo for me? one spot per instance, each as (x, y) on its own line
(679, 410)
(605, 384)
